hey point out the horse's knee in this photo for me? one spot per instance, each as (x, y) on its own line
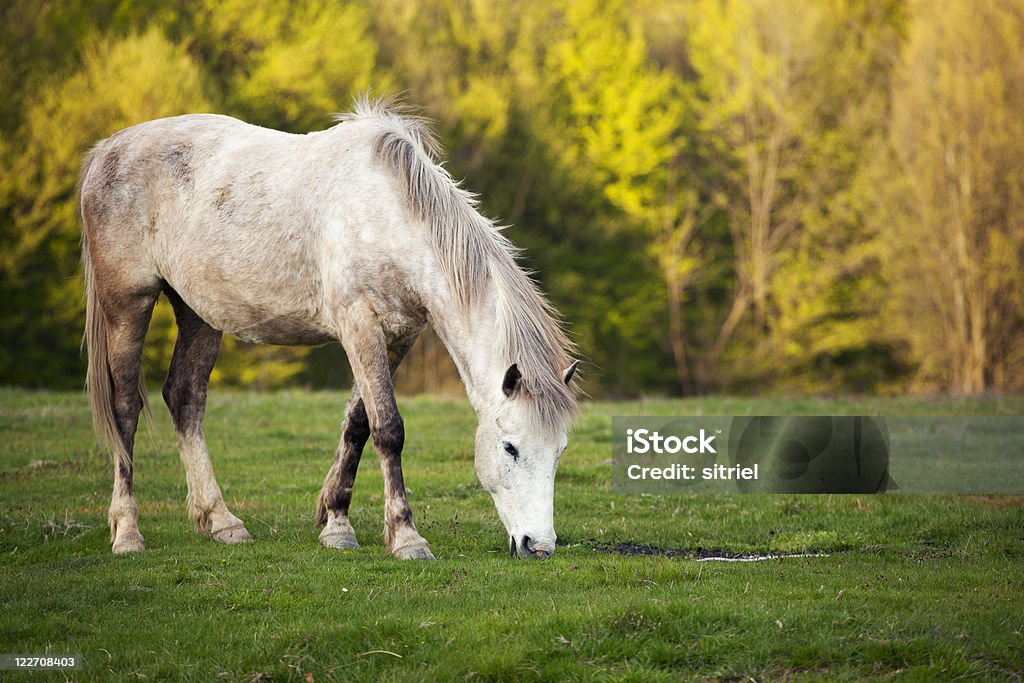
(389, 435)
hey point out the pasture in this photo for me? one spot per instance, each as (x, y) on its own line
(909, 587)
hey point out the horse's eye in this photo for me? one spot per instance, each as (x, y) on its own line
(511, 450)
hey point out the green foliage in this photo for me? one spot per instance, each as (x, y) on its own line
(121, 81)
(287, 67)
(789, 96)
(627, 121)
(717, 194)
(957, 196)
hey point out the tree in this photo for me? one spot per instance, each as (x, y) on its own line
(788, 98)
(956, 204)
(718, 194)
(120, 82)
(827, 328)
(630, 119)
(285, 66)
(497, 75)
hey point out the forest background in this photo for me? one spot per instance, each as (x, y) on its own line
(742, 196)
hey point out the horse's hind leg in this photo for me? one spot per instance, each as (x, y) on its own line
(125, 333)
(336, 494)
(195, 352)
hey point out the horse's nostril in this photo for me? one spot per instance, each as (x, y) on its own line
(529, 547)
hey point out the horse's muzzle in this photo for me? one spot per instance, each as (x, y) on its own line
(526, 547)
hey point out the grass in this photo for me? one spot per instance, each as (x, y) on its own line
(914, 587)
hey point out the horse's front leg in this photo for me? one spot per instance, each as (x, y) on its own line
(403, 541)
(372, 365)
(336, 494)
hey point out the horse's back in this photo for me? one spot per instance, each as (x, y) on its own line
(148, 176)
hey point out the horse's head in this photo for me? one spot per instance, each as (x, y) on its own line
(516, 458)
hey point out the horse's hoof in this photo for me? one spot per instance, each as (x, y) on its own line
(129, 542)
(231, 535)
(339, 542)
(421, 552)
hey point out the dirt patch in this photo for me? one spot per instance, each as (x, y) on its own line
(699, 554)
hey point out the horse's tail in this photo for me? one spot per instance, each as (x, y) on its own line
(98, 379)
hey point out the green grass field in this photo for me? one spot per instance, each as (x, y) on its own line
(914, 587)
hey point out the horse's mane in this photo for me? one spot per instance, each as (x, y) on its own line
(473, 252)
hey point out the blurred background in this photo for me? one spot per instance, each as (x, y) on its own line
(742, 196)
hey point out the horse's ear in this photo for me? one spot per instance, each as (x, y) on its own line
(511, 381)
(567, 375)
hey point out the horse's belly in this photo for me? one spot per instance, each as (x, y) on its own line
(284, 330)
(259, 321)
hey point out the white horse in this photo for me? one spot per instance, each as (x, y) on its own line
(352, 234)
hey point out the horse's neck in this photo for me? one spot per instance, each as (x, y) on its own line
(471, 341)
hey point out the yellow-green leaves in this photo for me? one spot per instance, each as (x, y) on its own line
(718, 194)
(957, 206)
(292, 69)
